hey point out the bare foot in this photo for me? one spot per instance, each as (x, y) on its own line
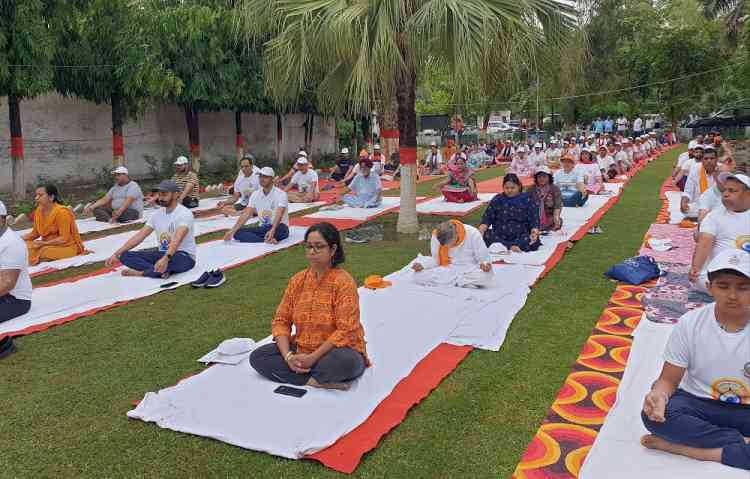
(132, 272)
(337, 386)
(651, 441)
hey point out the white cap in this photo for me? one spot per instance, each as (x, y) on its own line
(543, 169)
(433, 144)
(267, 171)
(581, 137)
(120, 170)
(537, 145)
(692, 144)
(3, 210)
(376, 147)
(302, 160)
(302, 153)
(734, 259)
(744, 179)
(181, 160)
(345, 151)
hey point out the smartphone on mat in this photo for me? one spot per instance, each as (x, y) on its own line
(169, 285)
(290, 391)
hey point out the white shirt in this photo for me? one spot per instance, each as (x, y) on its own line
(622, 124)
(710, 200)
(713, 358)
(14, 255)
(537, 159)
(306, 181)
(688, 165)
(591, 172)
(165, 226)
(604, 162)
(568, 180)
(245, 186)
(622, 157)
(730, 231)
(118, 194)
(682, 159)
(267, 205)
(638, 124)
(693, 183)
(470, 253)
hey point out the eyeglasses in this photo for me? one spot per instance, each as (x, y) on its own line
(315, 248)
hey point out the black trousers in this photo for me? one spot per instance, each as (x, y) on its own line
(104, 214)
(340, 365)
(12, 307)
(190, 203)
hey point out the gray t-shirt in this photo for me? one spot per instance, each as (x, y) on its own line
(118, 194)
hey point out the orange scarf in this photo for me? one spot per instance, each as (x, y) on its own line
(703, 180)
(444, 258)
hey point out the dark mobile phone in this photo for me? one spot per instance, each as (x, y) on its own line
(169, 285)
(290, 391)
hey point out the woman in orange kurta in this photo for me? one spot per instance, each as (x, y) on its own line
(55, 233)
(328, 347)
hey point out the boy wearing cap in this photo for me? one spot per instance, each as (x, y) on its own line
(304, 182)
(176, 248)
(122, 203)
(187, 181)
(270, 204)
(724, 228)
(365, 190)
(700, 405)
(702, 176)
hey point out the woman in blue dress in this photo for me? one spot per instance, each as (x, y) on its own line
(512, 218)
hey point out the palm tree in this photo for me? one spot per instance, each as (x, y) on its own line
(359, 55)
(733, 13)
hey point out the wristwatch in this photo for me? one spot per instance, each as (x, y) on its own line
(169, 256)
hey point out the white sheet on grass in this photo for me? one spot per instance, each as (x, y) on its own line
(617, 452)
(363, 214)
(103, 248)
(60, 301)
(440, 206)
(675, 214)
(235, 405)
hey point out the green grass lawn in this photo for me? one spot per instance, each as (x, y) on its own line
(66, 392)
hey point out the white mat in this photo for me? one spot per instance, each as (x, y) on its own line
(440, 206)
(617, 452)
(675, 214)
(235, 405)
(362, 214)
(103, 248)
(57, 302)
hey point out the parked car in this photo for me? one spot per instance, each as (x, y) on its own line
(736, 116)
(429, 132)
(496, 126)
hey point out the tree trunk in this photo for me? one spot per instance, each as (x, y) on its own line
(407, 125)
(389, 128)
(16, 148)
(118, 143)
(194, 138)
(239, 140)
(279, 139)
(366, 129)
(355, 143)
(310, 128)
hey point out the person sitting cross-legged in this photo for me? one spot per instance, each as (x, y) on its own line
(512, 218)
(15, 283)
(547, 195)
(459, 258)
(321, 303)
(699, 407)
(271, 206)
(245, 185)
(365, 190)
(122, 203)
(570, 180)
(55, 233)
(303, 187)
(176, 248)
(459, 186)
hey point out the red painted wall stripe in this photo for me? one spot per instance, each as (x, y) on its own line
(239, 141)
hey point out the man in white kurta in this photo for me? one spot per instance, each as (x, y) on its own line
(459, 258)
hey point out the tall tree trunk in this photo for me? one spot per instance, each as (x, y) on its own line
(194, 138)
(389, 128)
(366, 129)
(16, 148)
(407, 124)
(239, 140)
(310, 128)
(355, 142)
(279, 139)
(118, 143)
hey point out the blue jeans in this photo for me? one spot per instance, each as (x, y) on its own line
(573, 199)
(339, 365)
(706, 424)
(257, 233)
(145, 260)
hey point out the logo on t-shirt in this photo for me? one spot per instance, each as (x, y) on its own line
(730, 390)
(743, 243)
(164, 240)
(265, 217)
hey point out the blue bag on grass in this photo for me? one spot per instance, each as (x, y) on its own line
(635, 270)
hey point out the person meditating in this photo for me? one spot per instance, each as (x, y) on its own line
(122, 203)
(512, 218)
(15, 283)
(303, 187)
(188, 183)
(365, 190)
(547, 195)
(521, 166)
(699, 407)
(459, 258)
(246, 184)
(725, 228)
(459, 186)
(344, 166)
(570, 180)
(176, 248)
(327, 349)
(702, 177)
(271, 206)
(592, 175)
(55, 233)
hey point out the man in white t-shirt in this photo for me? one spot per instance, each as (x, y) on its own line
(303, 187)
(15, 283)
(122, 203)
(570, 180)
(606, 163)
(537, 158)
(637, 126)
(699, 407)
(246, 184)
(176, 248)
(701, 177)
(270, 205)
(724, 228)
